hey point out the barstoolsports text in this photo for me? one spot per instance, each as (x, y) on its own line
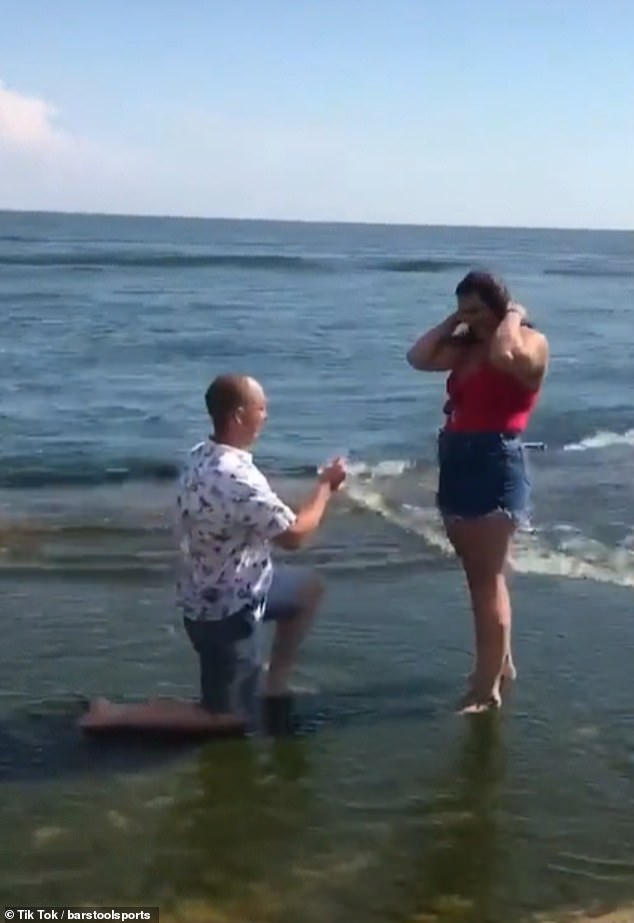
(122, 914)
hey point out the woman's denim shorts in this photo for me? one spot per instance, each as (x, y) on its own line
(481, 474)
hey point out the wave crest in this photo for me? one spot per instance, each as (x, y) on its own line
(603, 439)
(166, 260)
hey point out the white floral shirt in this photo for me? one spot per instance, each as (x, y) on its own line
(227, 515)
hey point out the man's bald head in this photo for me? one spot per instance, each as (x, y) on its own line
(236, 402)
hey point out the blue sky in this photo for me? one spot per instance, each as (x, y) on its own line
(424, 111)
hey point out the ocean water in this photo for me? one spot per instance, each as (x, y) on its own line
(390, 807)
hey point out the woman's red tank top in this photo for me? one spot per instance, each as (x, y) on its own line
(488, 400)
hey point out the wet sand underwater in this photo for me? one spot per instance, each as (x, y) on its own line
(389, 807)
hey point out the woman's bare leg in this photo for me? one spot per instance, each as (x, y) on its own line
(482, 545)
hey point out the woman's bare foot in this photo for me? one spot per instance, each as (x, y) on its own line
(473, 704)
(482, 697)
(509, 670)
(508, 674)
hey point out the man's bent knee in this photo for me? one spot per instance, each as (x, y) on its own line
(294, 592)
(311, 593)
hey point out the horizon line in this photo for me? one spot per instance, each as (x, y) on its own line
(313, 221)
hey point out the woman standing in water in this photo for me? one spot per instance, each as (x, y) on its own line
(496, 363)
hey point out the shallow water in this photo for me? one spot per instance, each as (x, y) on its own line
(389, 806)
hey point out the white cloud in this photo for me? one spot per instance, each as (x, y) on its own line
(204, 163)
(45, 166)
(28, 124)
(250, 165)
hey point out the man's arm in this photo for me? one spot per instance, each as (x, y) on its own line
(267, 515)
(308, 518)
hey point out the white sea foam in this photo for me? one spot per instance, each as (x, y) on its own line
(576, 557)
(382, 469)
(602, 440)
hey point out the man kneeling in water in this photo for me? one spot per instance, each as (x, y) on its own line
(228, 517)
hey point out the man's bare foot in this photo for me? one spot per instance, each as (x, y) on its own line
(167, 715)
(101, 711)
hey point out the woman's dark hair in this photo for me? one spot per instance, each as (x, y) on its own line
(493, 293)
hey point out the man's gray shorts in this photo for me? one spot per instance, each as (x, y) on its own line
(230, 650)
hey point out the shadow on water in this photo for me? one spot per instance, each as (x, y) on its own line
(458, 866)
(443, 866)
(466, 856)
(42, 742)
(234, 824)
